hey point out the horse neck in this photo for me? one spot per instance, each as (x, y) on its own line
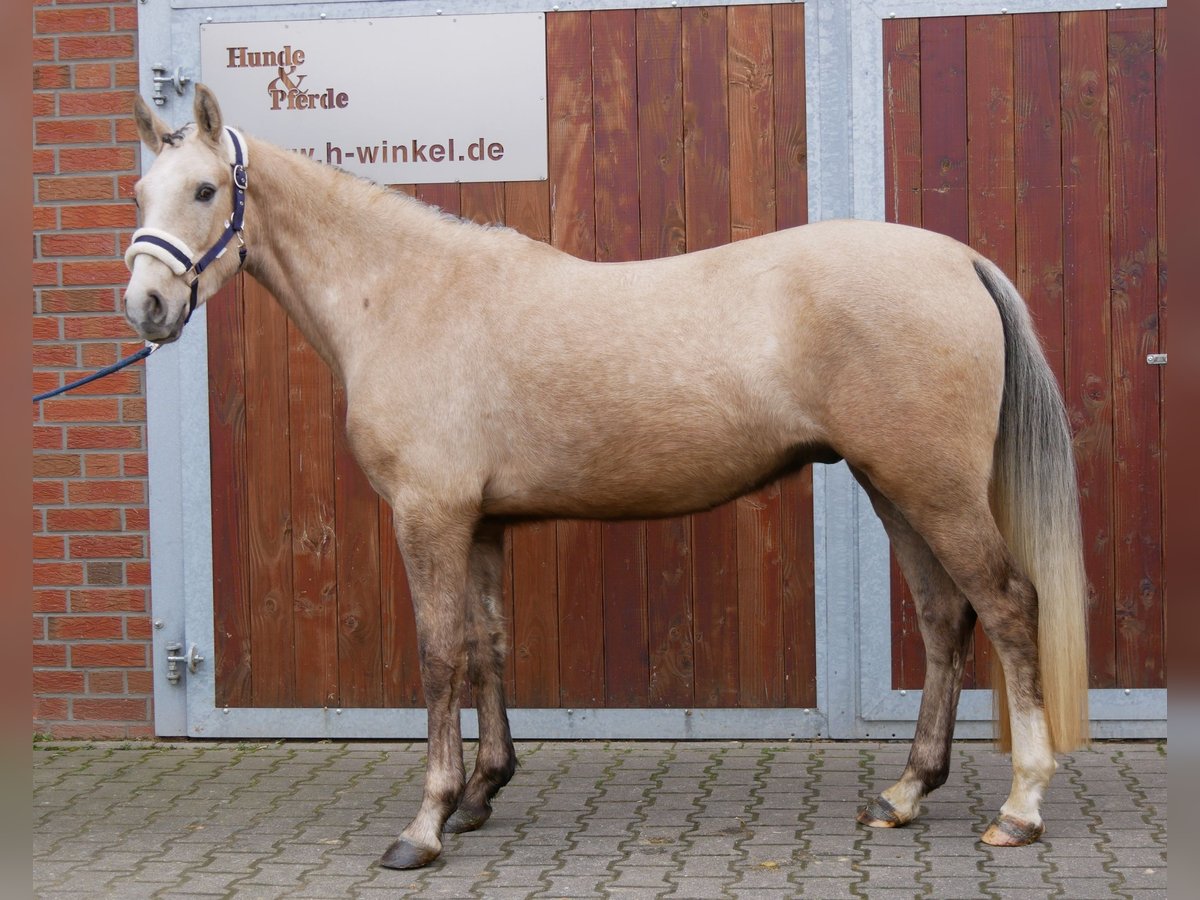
(321, 241)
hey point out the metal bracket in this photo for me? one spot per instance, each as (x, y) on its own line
(174, 658)
(162, 77)
(1156, 359)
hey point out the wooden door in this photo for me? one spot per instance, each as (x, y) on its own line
(669, 131)
(1038, 139)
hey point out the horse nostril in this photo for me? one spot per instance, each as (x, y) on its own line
(157, 311)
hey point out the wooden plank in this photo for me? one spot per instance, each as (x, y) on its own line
(623, 558)
(1160, 99)
(360, 654)
(795, 492)
(573, 230)
(1037, 164)
(534, 544)
(991, 213)
(1087, 314)
(398, 628)
(706, 180)
(944, 126)
(1137, 440)
(660, 142)
(902, 189)
(269, 543)
(483, 202)
(314, 541)
(752, 212)
(444, 196)
(230, 515)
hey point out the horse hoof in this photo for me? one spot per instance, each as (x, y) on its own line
(1005, 831)
(464, 819)
(878, 813)
(403, 855)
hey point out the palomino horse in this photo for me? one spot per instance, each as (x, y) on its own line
(490, 377)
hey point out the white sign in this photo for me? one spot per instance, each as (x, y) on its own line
(406, 100)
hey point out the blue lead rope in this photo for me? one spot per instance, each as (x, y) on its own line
(107, 370)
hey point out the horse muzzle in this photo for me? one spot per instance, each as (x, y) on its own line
(155, 316)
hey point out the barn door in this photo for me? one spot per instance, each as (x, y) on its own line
(1037, 139)
(670, 130)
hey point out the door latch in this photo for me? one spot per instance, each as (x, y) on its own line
(1156, 359)
(163, 77)
(175, 658)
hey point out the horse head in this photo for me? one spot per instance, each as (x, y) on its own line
(191, 201)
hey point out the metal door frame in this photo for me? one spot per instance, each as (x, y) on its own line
(844, 98)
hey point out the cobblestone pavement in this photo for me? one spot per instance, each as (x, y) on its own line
(597, 819)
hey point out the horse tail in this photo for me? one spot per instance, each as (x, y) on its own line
(1035, 500)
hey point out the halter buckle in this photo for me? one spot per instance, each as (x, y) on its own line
(239, 177)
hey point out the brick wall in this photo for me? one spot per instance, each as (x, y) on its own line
(91, 625)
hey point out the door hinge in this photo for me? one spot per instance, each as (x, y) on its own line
(1156, 359)
(175, 658)
(162, 77)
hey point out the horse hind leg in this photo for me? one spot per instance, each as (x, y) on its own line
(496, 758)
(967, 542)
(946, 620)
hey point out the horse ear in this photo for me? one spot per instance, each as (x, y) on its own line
(151, 128)
(207, 113)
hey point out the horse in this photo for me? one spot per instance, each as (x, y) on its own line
(491, 378)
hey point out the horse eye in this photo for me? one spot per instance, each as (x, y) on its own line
(205, 192)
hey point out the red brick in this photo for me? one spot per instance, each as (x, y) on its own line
(45, 218)
(55, 355)
(133, 409)
(98, 355)
(43, 162)
(44, 104)
(93, 75)
(137, 573)
(106, 682)
(140, 682)
(50, 601)
(107, 547)
(108, 600)
(52, 465)
(97, 103)
(94, 628)
(49, 708)
(136, 464)
(84, 243)
(45, 273)
(107, 492)
(108, 215)
(57, 682)
(85, 518)
(116, 710)
(67, 21)
(45, 328)
(47, 437)
(125, 185)
(106, 272)
(94, 159)
(49, 655)
(39, 628)
(126, 382)
(137, 519)
(47, 547)
(50, 77)
(85, 327)
(43, 48)
(108, 655)
(89, 299)
(127, 72)
(137, 628)
(48, 492)
(125, 19)
(107, 47)
(73, 131)
(109, 437)
(57, 573)
(102, 465)
(76, 409)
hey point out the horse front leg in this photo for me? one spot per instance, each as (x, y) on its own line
(487, 643)
(436, 558)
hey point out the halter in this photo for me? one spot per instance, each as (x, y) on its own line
(177, 255)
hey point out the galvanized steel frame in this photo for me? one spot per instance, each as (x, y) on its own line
(844, 95)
